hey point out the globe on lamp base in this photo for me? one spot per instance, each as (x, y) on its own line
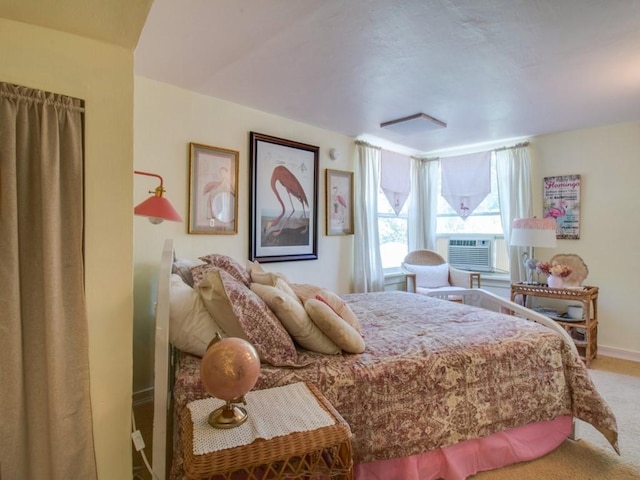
(229, 369)
(229, 415)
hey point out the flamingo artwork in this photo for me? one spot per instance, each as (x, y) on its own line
(283, 176)
(339, 203)
(557, 212)
(219, 190)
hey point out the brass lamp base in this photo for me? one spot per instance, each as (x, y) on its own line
(228, 416)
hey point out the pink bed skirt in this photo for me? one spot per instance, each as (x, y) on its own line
(459, 461)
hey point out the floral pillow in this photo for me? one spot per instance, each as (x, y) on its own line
(241, 313)
(229, 265)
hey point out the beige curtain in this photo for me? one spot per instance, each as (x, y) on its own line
(423, 206)
(46, 430)
(367, 262)
(513, 168)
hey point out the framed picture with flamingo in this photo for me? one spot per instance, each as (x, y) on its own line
(283, 199)
(213, 189)
(339, 194)
(561, 196)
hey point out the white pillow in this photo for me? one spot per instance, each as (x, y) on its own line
(191, 328)
(430, 276)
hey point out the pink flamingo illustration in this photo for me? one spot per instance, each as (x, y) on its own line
(557, 212)
(223, 178)
(338, 203)
(222, 183)
(288, 180)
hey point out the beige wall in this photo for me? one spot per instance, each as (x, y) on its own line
(102, 75)
(166, 119)
(608, 160)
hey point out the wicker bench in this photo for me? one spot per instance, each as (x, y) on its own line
(324, 451)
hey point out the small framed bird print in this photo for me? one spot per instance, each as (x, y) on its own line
(339, 193)
(213, 190)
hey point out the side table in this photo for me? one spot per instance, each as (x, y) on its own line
(326, 450)
(588, 296)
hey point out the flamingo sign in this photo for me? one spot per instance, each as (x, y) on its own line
(561, 197)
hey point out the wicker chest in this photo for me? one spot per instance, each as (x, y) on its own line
(322, 451)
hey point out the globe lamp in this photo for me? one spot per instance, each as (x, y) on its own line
(229, 369)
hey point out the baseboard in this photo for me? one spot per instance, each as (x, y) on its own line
(143, 397)
(619, 353)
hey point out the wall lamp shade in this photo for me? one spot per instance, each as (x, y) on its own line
(156, 208)
(533, 232)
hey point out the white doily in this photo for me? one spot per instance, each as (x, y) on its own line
(272, 413)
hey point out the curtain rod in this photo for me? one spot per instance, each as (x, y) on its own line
(426, 159)
(366, 144)
(517, 145)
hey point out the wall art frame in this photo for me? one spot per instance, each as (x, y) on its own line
(339, 202)
(283, 200)
(213, 190)
(561, 200)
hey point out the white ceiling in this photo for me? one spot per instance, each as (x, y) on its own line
(490, 69)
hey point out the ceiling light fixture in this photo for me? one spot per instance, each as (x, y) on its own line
(417, 123)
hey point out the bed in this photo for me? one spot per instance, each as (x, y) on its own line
(441, 390)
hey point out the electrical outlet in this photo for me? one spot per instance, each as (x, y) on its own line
(138, 442)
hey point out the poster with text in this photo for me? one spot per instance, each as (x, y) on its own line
(561, 197)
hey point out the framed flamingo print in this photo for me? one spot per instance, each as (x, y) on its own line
(213, 189)
(339, 194)
(283, 199)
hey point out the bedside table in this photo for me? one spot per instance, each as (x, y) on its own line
(227, 453)
(586, 342)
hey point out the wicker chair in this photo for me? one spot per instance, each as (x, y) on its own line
(456, 278)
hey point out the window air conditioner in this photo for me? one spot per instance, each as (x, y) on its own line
(471, 254)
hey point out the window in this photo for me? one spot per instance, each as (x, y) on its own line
(392, 230)
(485, 220)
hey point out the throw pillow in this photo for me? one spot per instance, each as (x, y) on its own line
(430, 276)
(191, 328)
(229, 265)
(343, 335)
(339, 306)
(242, 313)
(295, 319)
(305, 291)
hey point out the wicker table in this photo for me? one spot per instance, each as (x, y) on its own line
(586, 342)
(326, 451)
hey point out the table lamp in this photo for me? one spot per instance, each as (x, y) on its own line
(533, 232)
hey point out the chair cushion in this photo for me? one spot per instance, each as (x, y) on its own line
(430, 276)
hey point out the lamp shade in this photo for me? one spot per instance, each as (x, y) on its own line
(157, 208)
(533, 232)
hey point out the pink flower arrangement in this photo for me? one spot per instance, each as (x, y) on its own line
(555, 269)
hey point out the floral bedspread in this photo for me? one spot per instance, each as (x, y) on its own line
(435, 373)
